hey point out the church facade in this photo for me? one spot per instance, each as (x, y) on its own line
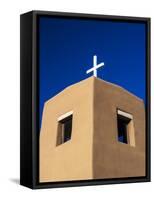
(92, 130)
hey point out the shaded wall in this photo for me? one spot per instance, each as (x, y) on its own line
(111, 158)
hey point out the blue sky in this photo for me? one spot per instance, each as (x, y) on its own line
(67, 46)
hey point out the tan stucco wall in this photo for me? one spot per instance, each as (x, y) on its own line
(93, 151)
(113, 159)
(71, 160)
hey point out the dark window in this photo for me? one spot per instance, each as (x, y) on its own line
(64, 130)
(122, 128)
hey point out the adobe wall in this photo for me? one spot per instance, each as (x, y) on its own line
(71, 160)
(94, 151)
(111, 158)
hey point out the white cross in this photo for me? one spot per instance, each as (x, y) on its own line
(95, 66)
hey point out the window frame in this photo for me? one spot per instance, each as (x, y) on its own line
(130, 129)
(61, 128)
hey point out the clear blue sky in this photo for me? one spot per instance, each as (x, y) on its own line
(67, 47)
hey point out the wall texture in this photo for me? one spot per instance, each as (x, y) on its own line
(71, 160)
(94, 150)
(111, 158)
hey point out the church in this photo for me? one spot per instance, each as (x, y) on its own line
(93, 129)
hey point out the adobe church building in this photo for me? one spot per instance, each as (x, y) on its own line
(92, 130)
